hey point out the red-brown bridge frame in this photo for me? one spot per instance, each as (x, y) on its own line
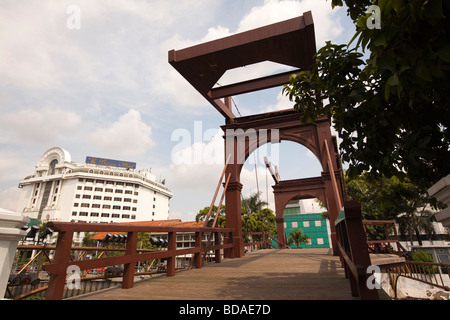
(292, 43)
(317, 138)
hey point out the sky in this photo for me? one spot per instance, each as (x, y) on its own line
(93, 78)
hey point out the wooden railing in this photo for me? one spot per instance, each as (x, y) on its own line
(30, 272)
(382, 245)
(61, 262)
(351, 241)
(265, 239)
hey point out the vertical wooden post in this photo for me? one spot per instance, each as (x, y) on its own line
(358, 250)
(198, 257)
(281, 235)
(230, 240)
(171, 247)
(128, 270)
(217, 256)
(233, 193)
(57, 281)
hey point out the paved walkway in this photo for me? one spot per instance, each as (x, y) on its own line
(295, 274)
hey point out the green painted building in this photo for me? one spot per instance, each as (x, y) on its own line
(312, 225)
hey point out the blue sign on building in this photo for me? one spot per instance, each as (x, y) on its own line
(111, 163)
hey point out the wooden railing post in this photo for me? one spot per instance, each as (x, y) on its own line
(198, 256)
(228, 253)
(62, 254)
(128, 269)
(358, 251)
(171, 247)
(217, 255)
(387, 240)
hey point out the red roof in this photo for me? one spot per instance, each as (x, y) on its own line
(171, 222)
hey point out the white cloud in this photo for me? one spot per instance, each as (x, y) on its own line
(326, 27)
(197, 161)
(326, 24)
(56, 82)
(252, 71)
(42, 126)
(129, 136)
(272, 11)
(171, 83)
(203, 148)
(198, 165)
(216, 33)
(117, 44)
(8, 198)
(282, 103)
(14, 166)
(27, 55)
(199, 183)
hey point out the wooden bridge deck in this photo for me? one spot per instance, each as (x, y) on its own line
(296, 274)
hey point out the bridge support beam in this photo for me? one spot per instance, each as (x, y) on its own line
(282, 243)
(233, 219)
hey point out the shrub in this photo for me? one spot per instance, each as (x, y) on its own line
(422, 256)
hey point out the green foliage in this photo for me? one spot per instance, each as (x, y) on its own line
(324, 214)
(386, 198)
(201, 216)
(254, 217)
(253, 203)
(394, 198)
(422, 256)
(417, 223)
(87, 241)
(391, 111)
(263, 220)
(297, 237)
(144, 241)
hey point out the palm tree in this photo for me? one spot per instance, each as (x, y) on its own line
(416, 222)
(87, 241)
(297, 237)
(253, 203)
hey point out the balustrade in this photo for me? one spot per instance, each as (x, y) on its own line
(62, 259)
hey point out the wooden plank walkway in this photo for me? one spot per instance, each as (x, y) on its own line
(295, 274)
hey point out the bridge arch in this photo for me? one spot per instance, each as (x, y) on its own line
(245, 134)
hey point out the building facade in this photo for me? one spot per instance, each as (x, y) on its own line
(313, 225)
(61, 190)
